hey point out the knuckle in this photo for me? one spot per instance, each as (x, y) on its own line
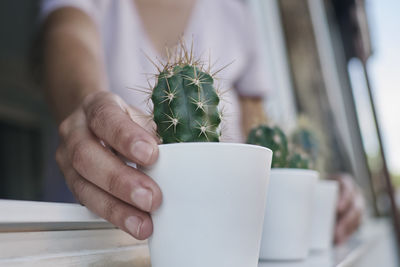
(63, 128)
(117, 99)
(94, 97)
(98, 115)
(88, 100)
(78, 188)
(122, 134)
(109, 209)
(113, 182)
(78, 154)
(72, 139)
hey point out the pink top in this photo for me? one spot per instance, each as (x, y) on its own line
(219, 26)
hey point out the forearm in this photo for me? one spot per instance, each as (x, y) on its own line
(73, 64)
(253, 113)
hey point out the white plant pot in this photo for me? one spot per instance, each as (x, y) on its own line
(213, 204)
(324, 215)
(288, 214)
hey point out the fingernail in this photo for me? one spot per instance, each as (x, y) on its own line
(142, 151)
(133, 224)
(142, 198)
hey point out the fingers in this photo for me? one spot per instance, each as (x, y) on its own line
(347, 191)
(349, 209)
(96, 176)
(348, 223)
(101, 167)
(124, 216)
(111, 120)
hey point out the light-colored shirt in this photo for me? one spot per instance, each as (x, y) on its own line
(220, 27)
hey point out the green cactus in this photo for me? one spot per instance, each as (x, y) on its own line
(274, 139)
(186, 103)
(306, 140)
(298, 161)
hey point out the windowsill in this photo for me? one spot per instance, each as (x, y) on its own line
(16, 215)
(345, 255)
(69, 240)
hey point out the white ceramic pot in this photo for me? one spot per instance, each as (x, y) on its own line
(288, 214)
(213, 204)
(324, 214)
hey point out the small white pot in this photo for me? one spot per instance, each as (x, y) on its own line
(288, 214)
(324, 215)
(213, 204)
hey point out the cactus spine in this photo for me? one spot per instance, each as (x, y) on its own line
(299, 161)
(275, 139)
(186, 102)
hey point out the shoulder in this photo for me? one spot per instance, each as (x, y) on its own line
(91, 7)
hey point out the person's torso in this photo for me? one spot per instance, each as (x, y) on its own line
(129, 50)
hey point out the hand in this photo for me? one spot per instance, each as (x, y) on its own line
(97, 177)
(350, 208)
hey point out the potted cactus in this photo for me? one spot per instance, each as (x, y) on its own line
(213, 193)
(288, 214)
(307, 138)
